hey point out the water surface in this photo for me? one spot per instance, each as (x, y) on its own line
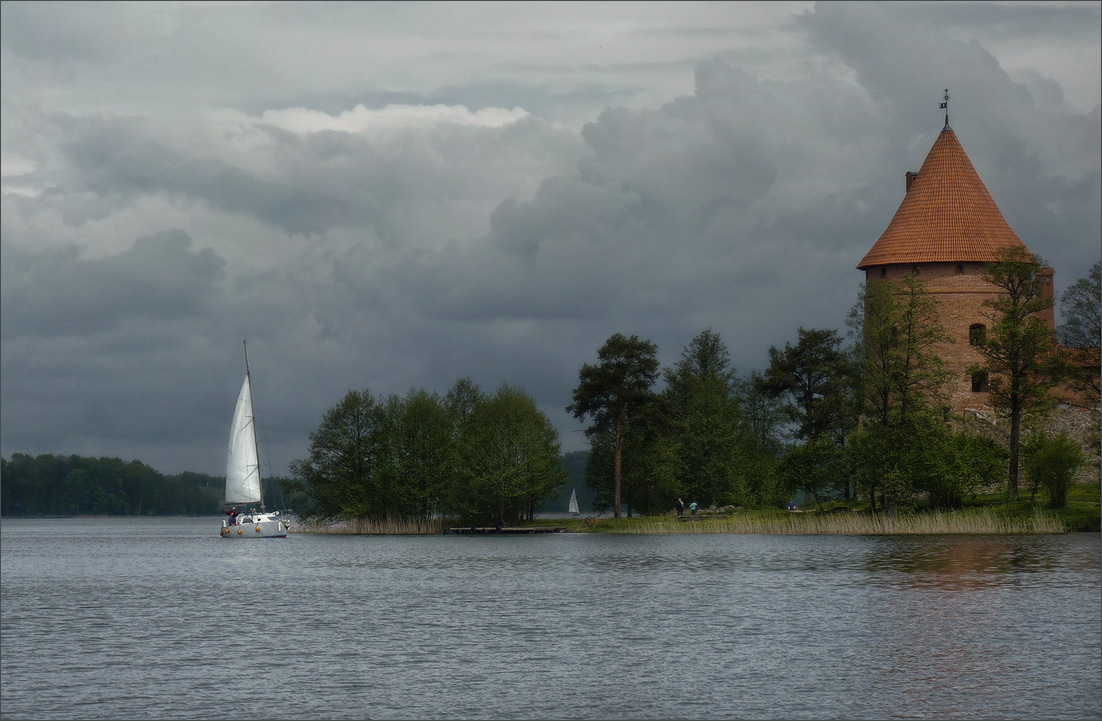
(161, 618)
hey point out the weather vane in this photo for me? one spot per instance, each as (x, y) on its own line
(945, 107)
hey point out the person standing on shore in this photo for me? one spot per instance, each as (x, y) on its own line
(692, 507)
(680, 508)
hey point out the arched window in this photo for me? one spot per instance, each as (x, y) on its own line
(979, 382)
(977, 334)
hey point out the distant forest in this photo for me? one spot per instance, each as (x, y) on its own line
(52, 485)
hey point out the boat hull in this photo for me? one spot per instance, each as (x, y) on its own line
(261, 526)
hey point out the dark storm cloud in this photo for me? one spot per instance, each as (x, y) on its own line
(57, 292)
(1055, 21)
(126, 158)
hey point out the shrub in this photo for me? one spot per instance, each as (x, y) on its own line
(1053, 463)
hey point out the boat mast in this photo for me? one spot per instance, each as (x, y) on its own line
(252, 405)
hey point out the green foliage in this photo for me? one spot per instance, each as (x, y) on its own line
(422, 454)
(1052, 462)
(342, 476)
(708, 437)
(898, 464)
(508, 460)
(723, 430)
(816, 380)
(706, 420)
(648, 465)
(1081, 305)
(1082, 333)
(959, 465)
(898, 327)
(467, 455)
(817, 467)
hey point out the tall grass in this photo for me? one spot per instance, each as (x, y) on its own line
(965, 521)
(981, 521)
(372, 526)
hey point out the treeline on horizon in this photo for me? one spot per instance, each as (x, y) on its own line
(59, 485)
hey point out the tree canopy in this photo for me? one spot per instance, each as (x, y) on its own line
(469, 456)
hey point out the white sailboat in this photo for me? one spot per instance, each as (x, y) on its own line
(573, 503)
(243, 484)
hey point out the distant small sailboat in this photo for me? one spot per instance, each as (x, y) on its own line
(573, 503)
(243, 474)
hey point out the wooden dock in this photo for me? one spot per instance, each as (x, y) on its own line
(505, 529)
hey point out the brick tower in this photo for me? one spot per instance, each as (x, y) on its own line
(946, 230)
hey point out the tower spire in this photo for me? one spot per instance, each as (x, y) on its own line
(945, 107)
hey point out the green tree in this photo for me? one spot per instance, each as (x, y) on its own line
(762, 413)
(1053, 463)
(701, 401)
(616, 391)
(461, 400)
(1019, 350)
(898, 328)
(424, 456)
(1081, 332)
(901, 376)
(1081, 304)
(812, 376)
(337, 478)
(814, 467)
(509, 460)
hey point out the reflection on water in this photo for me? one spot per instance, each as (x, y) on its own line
(956, 562)
(160, 618)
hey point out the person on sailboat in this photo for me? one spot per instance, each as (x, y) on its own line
(232, 513)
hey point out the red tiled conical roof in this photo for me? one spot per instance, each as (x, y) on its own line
(947, 216)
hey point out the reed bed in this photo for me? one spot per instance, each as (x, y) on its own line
(373, 526)
(982, 521)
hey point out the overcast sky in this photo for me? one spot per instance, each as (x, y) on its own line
(388, 196)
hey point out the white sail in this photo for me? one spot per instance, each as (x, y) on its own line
(242, 464)
(574, 503)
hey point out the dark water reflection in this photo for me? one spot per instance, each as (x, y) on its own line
(131, 618)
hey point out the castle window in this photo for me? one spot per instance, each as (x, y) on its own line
(979, 382)
(960, 270)
(883, 272)
(977, 334)
(917, 270)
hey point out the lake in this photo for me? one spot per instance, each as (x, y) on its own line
(160, 618)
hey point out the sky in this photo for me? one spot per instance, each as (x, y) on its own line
(388, 196)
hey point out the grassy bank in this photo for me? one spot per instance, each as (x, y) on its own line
(979, 521)
(984, 514)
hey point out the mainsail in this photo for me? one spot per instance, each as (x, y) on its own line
(242, 464)
(574, 503)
